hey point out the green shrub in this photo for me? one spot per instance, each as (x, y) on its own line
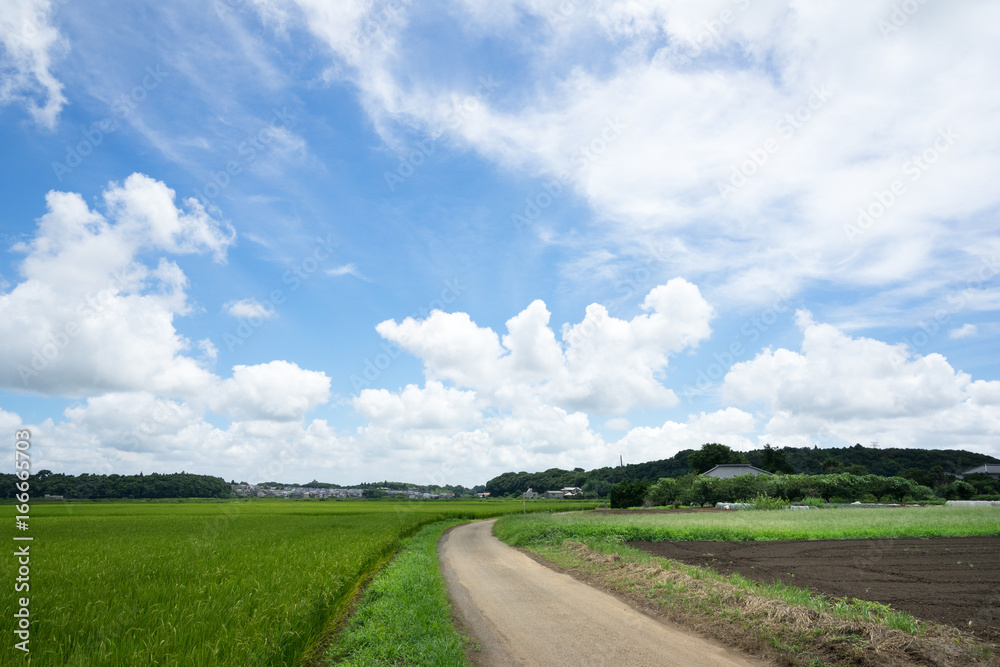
(702, 491)
(663, 492)
(956, 491)
(628, 494)
(762, 502)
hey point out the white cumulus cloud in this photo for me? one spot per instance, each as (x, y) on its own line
(277, 390)
(602, 364)
(96, 307)
(861, 389)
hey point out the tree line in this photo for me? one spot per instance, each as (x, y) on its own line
(174, 485)
(928, 467)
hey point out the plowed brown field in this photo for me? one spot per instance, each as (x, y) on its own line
(954, 580)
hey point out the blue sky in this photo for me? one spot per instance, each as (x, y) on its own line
(435, 242)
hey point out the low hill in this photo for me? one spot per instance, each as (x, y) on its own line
(807, 460)
(175, 485)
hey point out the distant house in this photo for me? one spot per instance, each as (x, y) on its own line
(570, 491)
(727, 470)
(991, 469)
(53, 497)
(554, 494)
(530, 494)
(484, 494)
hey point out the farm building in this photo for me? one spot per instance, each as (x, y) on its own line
(530, 494)
(554, 494)
(727, 470)
(991, 469)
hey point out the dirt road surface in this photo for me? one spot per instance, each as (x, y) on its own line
(523, 613)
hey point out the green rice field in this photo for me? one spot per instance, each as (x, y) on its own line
(207, 583)
(931, 521)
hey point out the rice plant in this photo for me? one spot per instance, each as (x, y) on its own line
(233, 583)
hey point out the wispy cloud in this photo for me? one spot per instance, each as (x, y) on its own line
(247, 308)
(964, 331)
(346, 270)
(31, 44)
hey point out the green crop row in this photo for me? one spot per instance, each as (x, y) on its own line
(239, 583)
(747, 526)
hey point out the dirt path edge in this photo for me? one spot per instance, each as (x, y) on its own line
(524, 613)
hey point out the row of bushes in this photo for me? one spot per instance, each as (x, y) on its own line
(699, 490)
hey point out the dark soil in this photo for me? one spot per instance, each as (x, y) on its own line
(954, 580)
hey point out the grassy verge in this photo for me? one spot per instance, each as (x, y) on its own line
(404, 617)
(746, 526)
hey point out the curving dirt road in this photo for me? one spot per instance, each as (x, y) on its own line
(523, 613)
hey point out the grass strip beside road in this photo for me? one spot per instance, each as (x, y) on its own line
(750, 525)
(404, 617)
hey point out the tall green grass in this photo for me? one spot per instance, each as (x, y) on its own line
(744, 526)
(403, 617)
(240, 583)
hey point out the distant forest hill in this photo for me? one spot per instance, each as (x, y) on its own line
(803, 460)
(175, 485)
